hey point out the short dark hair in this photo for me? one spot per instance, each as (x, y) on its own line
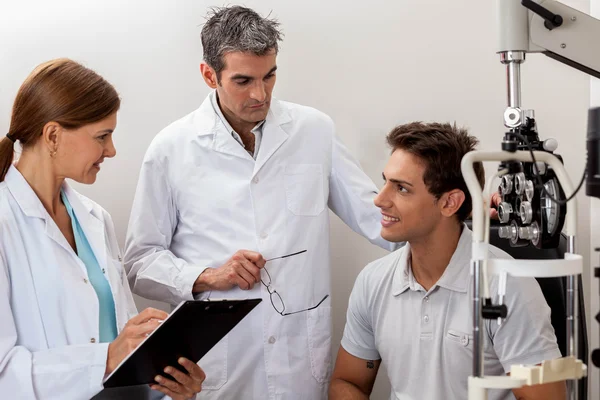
(237, 28)
(441, 146)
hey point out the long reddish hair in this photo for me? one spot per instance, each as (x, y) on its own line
(62, 91)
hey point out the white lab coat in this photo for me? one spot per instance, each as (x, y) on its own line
(49, 331)
(201, 197)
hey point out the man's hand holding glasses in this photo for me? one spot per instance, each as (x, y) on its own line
(242, 269)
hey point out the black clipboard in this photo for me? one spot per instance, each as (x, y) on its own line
(191, 330)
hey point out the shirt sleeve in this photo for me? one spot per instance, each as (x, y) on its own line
(526, 336)
(66, 372)
(352, 194)
(359, 337)
(154, 272)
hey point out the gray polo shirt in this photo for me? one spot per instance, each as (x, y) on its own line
(424, 338)
(257, 130)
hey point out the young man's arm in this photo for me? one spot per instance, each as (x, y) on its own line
(548, 391)
(353, 377)
(358, 359)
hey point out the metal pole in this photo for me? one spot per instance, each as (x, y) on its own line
(513, 70)
(477, 321)
(572, 319)
(513, 60)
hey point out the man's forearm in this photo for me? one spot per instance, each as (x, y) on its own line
(343, 390)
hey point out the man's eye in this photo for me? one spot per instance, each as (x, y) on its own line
(402, 189)
(243, 82)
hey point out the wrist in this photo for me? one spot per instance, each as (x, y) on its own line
(203, 282)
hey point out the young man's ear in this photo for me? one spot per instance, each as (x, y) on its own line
(451, 201)
(209, 75)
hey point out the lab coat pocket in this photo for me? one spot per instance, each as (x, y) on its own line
(319, 343)
(304, 189)
(214, 364)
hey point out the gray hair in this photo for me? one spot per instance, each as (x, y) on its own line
(240, 29)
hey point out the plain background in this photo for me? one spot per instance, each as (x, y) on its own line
(370, 65)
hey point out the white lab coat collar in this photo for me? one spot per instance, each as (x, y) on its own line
(26, 198)
(257, 130)
(207, 122)
(92, 224)
(30, 204)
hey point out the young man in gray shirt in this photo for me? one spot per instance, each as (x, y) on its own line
(411, 310)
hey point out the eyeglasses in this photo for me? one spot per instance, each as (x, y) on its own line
(276, 299)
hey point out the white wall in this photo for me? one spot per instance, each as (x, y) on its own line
(370, 65)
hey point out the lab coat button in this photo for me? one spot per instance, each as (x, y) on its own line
(264, 235)
(426, 318)
(255, 180)
(85, 280)
(272, 339)
(93, 340)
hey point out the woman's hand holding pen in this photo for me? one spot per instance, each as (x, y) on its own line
(135, 330)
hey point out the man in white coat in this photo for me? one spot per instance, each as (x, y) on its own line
(243, 179)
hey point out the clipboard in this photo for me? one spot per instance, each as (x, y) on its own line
(191, 330)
